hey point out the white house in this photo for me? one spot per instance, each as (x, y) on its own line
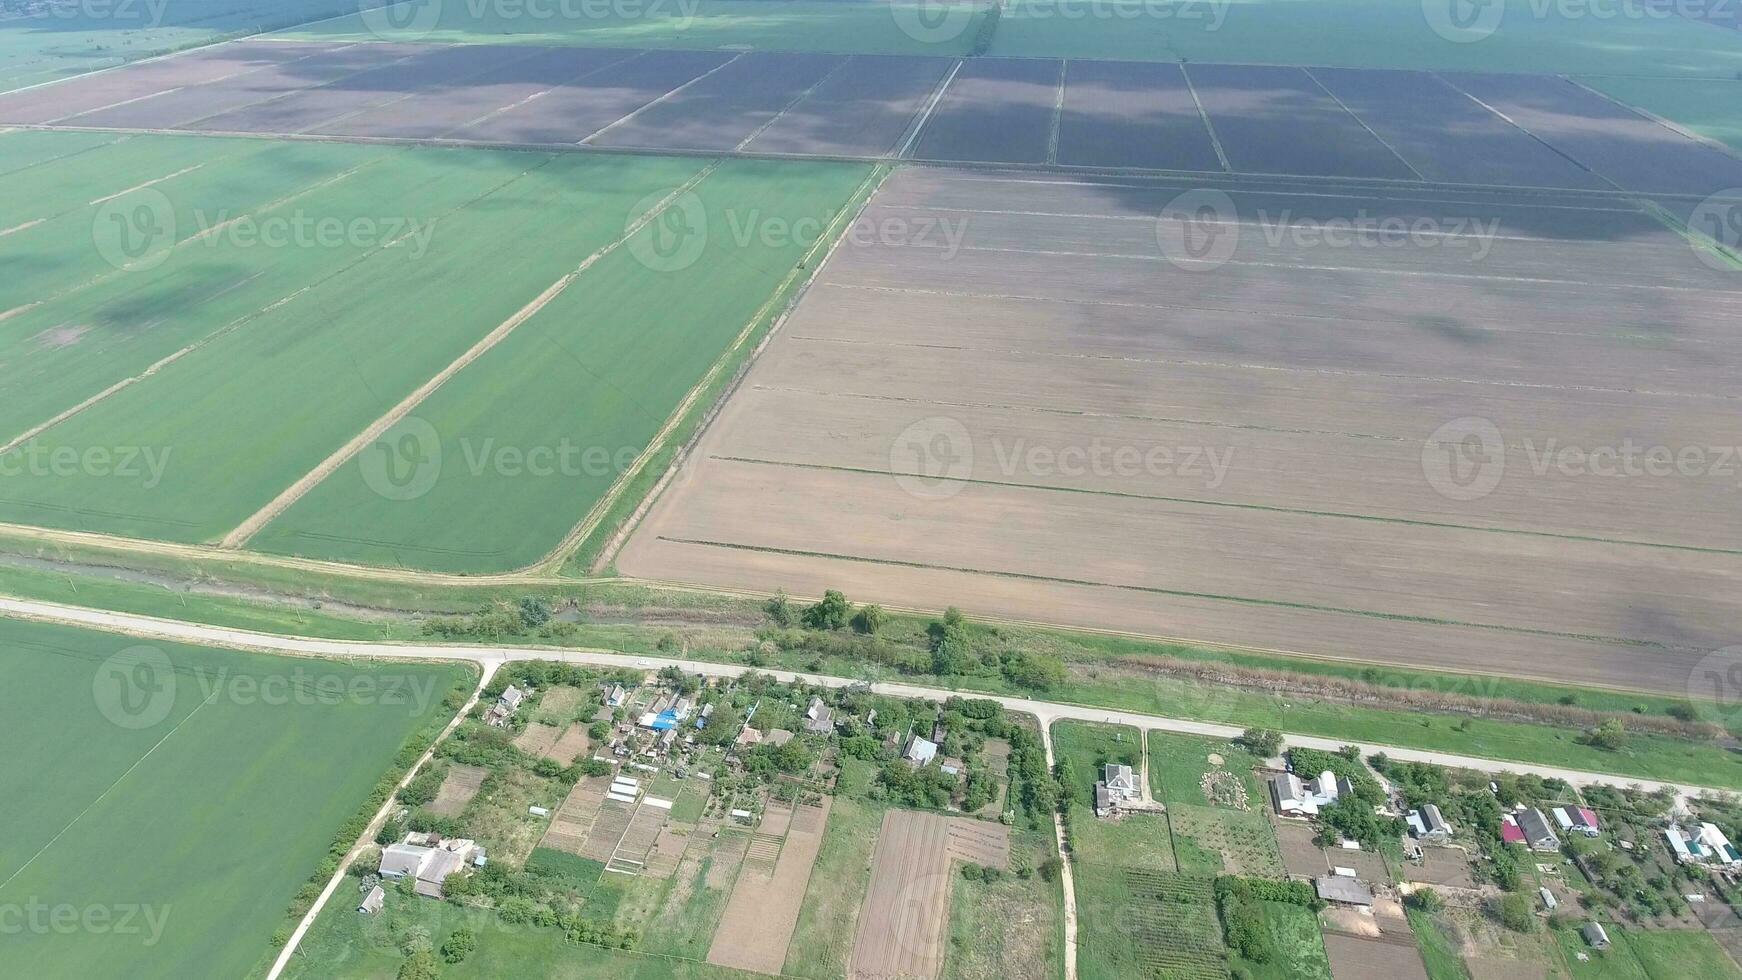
(431, 864)
(1429, 824)
(1294, 797)
(1576, 820)
(1121, 782)
(920, 751)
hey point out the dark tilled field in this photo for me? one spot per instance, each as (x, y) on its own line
(1278, 121)
(1126, 114)
(996, 110)
(1630, 150)
(863, 109)
(1446, 136)
(722, 110)
(571, 113)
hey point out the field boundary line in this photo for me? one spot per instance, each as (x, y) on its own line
(541, 93)
(1308, 72)
(559, 556)
(1189, 594)
(250, 527)
(800, 97)
(1233, 505)
(638, 110)
(1058, 112)
(139, 187)
(367, 837)
(110, 788)
(1515, 124)
(1204, 117)
(922, 117)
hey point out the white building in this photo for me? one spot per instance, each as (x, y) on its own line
(1294, 797)
(431, 864)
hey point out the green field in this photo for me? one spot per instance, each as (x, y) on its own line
(1638, 954)
(845, 26)
(1710, 108)
(259, 328)
(1179, 765)
(79, 38)
(590, 380)
(1368, 34)
(187, 791)
(1294, 932)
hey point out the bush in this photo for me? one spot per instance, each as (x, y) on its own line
(1425, 900)
(1264, 743)
(1611, 736)
(1515, 913)
(458, 946)
(419, 966)
(869, 620)
(832, 613)
(779, 610)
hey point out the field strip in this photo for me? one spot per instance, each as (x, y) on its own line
(832, 235)
(1495, 111)
(210, 81)
(602, 130)
(532, 52)
(57, 159)
(1184, 308)
(924, 115)
(1362, 123)
(17, 228)
(140, 187)
(240, 536)
(227, 328)
(1058, 113)
(1696, 238)
(1274, 368)
(1188, 594)
(116, 105)
(99, 798)
(831, 73)
(187, 123)
(1235, 505)
(1388, 199)
(203, 234)
(1301, 267)
(541, 93)
(1668, 124)
(1204, 117)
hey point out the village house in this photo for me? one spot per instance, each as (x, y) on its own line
(1576, 819)
(1705, 844)
(919, 751)
(819, 718)
(505, 707)
(429, 859)
(1428, 825)
(1343, 890)
(1530, 828)
(1294, 797)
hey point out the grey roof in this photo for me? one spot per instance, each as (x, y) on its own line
(403, 859)
(373, 901)
(1536, 827)
(921, 750)
(1337, 888)
(1103, 797)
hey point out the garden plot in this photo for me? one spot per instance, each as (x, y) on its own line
(905, 917)
(573, 824)
(759, 919)
(457, 789)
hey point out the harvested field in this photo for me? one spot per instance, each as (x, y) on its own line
(573, 822)
(1300, 856)
(537, 739)
(1285, 405)
(457, 789)
(760, 917)
(905, 917)
(1390, 957)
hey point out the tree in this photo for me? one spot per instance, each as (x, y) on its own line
(779, 610)
(1425, 900)
(1035, 671)
(869, 620)
(832, 613)
(415, 940)
(534, 611)
(419, 966)
(1610, 736)
(1514, 912)
(458, 946)
(1262, 742)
